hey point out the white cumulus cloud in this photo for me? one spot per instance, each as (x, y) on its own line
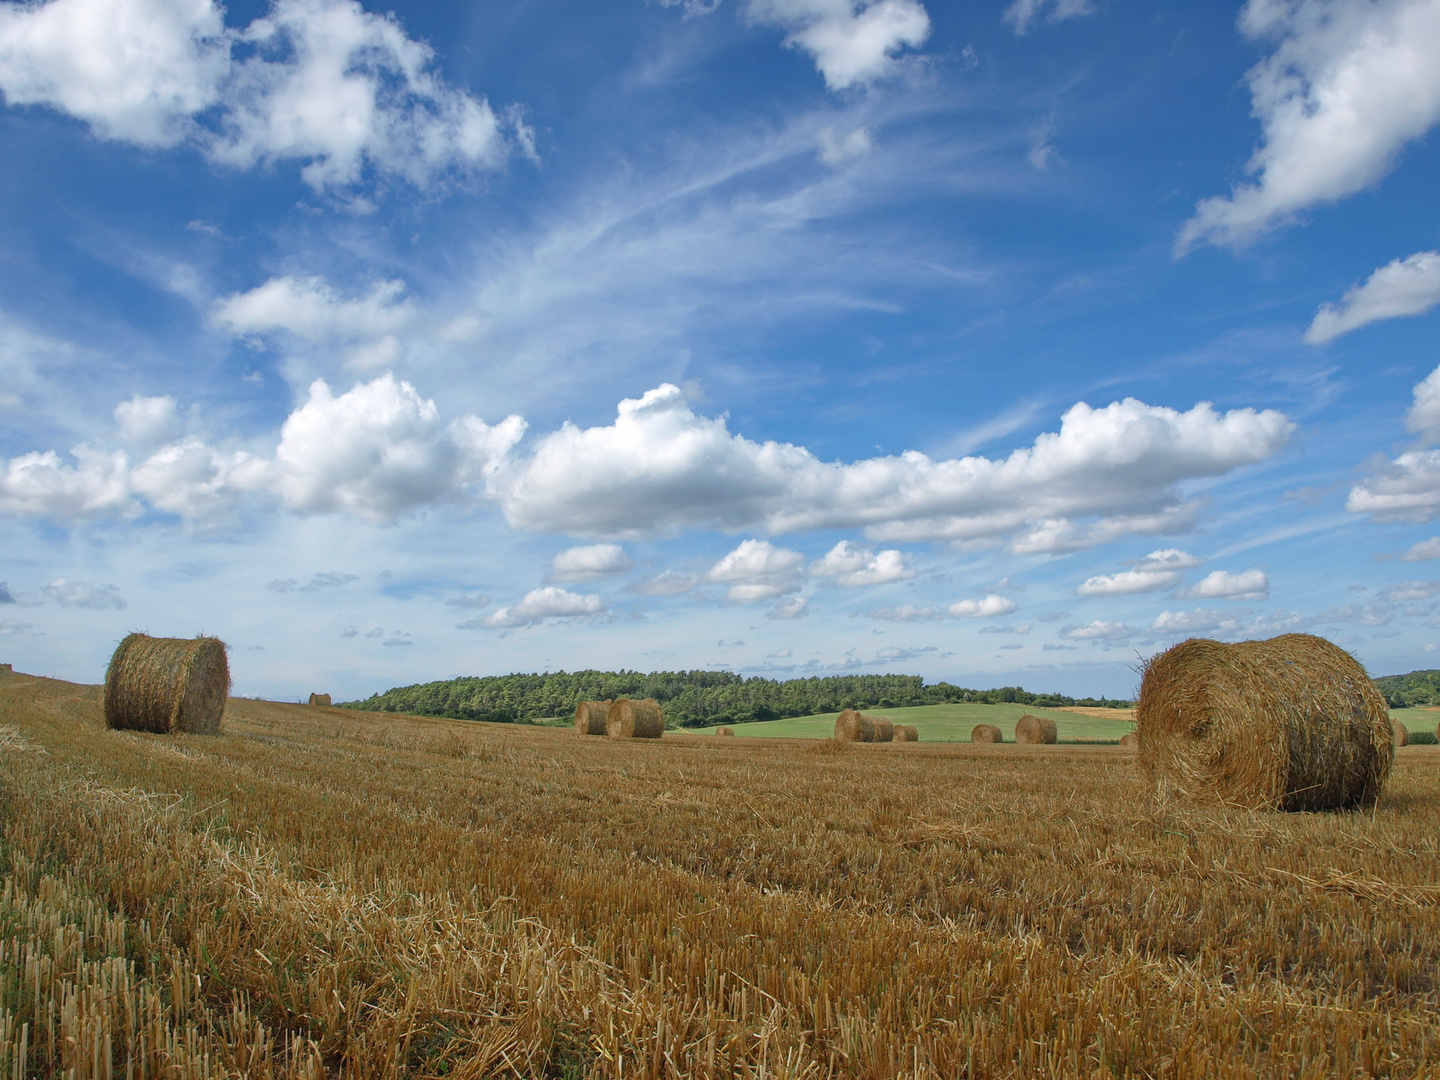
(1348, 85)
(1409, 286)
(660, 468)
(377, 451)
(758, 570)
(1422, 550)
(310, 310)
(987, 608)
(852, 41)
(853, 566)
(1159, 570)
(134, 70)
(147, 421)
(1223, 585)
(1098, 630)
(82, 594)
(792, 607)
(537, 605)
(589, 563)
(323, 82)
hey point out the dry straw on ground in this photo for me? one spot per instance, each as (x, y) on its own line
(320, 699)
(635, 719)
(167, 684)
(1035, 730)
(725, 731)
(986, 733)
(1130, 740)
(854, 726)
(906, 733)
(1402, 733)
(591, 716)
(1292, 723)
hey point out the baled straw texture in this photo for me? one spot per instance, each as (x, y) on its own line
(1035, 730)
(319, 699)
(906, 733)
(635, 719)
(1130, 740)
(1402, 733)
(1292, 723)
(986, 733)
(854, 726)
(725, 731)
(167, 684)
(591, 717)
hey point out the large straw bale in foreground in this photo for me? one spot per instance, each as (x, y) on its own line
(635, 719)
(854, 726)
(167, 684)
(1035, 730)
(1292, 723)
(319, 699)
(591, 717)
(906, 733)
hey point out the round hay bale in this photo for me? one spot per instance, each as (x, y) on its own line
(1035, 730)
(7, 669)
(986, 733)
(591, 717)
(852, 726)
(906, 733)
(1292, 723)
(724, 731)
(884, 729)
(635, 719)
(319, 699)
(1402, 733)
(1130, 740)
(167, 684)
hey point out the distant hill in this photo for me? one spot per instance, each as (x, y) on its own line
(690, 698)
(1407, 691)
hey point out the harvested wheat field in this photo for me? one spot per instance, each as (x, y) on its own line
(317, 893)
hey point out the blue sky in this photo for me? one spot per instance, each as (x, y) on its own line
(997, 342)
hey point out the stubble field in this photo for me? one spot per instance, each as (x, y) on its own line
(325, 893)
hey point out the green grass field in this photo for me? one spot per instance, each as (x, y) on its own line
(952, 723)
(1417, 719)
(945, 723)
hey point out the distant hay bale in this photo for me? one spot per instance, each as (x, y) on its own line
(1035, 730)
(854, 726)
(7, 669)
(1402, 733)
(1292, 723)
(591, 717)
(319, 699)
(167, 684)
(1130, 740)
(986, 733)
(851, 726)
(906, 733)
(635, 719)
(725, 731)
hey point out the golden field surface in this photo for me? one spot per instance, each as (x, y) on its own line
(319, 892)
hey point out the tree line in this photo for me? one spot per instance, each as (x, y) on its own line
(690, 698)
(1408, 691)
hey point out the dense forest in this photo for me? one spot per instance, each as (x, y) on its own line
(1407, 691)
(690, 698)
